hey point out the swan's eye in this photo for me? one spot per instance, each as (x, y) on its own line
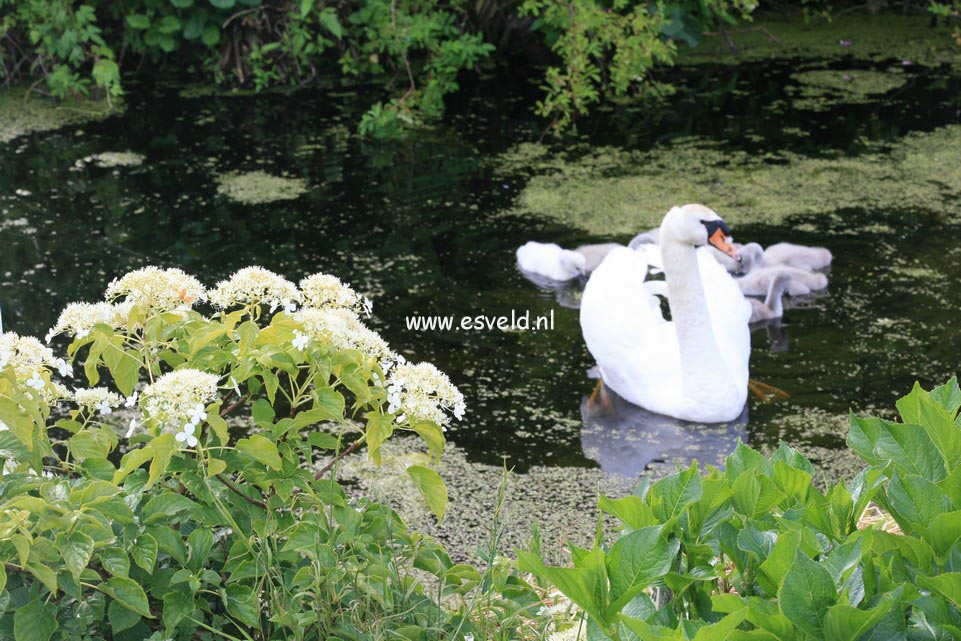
(713, 225)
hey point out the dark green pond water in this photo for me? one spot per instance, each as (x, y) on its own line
(420, 225)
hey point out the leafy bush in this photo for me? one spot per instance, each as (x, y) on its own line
(758, 552)
(172, 526)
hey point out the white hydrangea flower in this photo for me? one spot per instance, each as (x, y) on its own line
(423, 392)
(173, 398)
(160, 289)
(255, 286)
(342, 329)
(77, 319)
(323, 291)
(26, 355)
(98, 399)
(187, 436)
(300, 340)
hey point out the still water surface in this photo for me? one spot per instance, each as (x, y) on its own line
(423, 226)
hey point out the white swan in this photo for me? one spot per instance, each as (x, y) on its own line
(694, 368)
(550, 260)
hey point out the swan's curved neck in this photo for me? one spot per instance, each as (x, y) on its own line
(701, 361)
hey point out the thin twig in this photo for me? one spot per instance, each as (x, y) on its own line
(233, 488)
(230, 408)
(353, 446)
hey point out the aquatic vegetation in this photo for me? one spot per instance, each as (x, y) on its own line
(608, 191)
(20, 116)
(757, 548)
(258, 187)
(823, 88)
(853, 36)
(110, 159)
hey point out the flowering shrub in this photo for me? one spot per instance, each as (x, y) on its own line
(757, 552)
(171, 526)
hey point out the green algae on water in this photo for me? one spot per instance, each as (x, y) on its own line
(825, 88)
(110, 159)
(257, 187)
(608, 191)
(865, 37)
(22, 114)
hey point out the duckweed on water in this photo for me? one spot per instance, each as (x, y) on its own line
(257, 187)
(608, 191)
(112, 159)
(20, 115)
(859, 36)
(823, 88)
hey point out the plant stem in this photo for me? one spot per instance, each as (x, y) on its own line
(233, 488)
(353, 446)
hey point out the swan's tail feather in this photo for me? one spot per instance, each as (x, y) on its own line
(766, 393)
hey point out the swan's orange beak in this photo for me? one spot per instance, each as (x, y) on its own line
(719, 240)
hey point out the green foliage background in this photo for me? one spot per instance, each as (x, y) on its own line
(415, 49)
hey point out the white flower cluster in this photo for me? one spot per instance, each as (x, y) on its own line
(255, 286)
(160, 289)
(77, 319)
(324, 291)
(340, 328)
(422, 392)
(97, 399)
(30, 360)
(177, 400)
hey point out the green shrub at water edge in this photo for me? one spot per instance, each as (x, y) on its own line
(171, 526)
(756, 552)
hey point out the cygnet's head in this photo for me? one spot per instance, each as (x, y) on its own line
(696, 225)
(752, 254)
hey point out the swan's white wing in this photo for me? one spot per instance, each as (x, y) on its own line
(550, 260)
(730, 314)
(627, 335)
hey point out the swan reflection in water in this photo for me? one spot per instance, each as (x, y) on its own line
(627, 441)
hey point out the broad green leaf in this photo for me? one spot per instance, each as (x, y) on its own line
(841, 559)
(721, 631)
(744, 459)
(806, 594)
(944, 532)
(138, 21)
(637, 559)
(947, 585)
(845, 622)
(630, 510)
(120, 617)
(129, 593)
(35, 621)
(909, 447)
(754, 495)
(76, 549)
(773, 569)
(431, 487)
(178, 604)
(262, 450)
(948, 395)
(115, 561)
(379, 429)
(671, 495)
(218, 425)
(163, 448)
(144, 552)
(243, 604)
(165, 505)
(586, 586)
(916, 501)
